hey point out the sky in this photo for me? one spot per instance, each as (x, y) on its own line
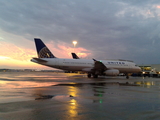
(104, 29)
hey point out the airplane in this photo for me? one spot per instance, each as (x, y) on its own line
(92, 67)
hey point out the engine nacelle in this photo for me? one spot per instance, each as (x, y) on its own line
(87, 69)
(112, 72)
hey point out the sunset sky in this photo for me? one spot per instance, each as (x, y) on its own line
(104, 29)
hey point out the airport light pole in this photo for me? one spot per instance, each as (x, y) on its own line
(74, 43)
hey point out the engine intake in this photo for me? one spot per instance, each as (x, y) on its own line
(112, 72)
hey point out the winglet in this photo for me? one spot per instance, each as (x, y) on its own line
(42, 50)
(94, 60)
(38, 59)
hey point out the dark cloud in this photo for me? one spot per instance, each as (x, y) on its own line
(127, 29)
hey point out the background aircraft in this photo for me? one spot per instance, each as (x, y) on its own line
(75, 56)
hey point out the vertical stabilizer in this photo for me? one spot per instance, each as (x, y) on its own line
(75, 56)
(42, 50)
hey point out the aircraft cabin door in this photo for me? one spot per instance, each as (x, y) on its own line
(56, 63)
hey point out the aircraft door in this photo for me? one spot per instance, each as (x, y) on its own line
(56, 63)
(130, 68)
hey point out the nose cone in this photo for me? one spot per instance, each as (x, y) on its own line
(139, 69)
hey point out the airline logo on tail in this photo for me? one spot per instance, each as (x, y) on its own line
(42, 50)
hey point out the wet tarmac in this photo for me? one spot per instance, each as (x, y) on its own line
(60, 96)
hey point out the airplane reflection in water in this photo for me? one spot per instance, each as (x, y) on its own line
(92, 67)
(94, 91)
(98, 91)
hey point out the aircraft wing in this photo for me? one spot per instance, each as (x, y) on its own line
(99, 67)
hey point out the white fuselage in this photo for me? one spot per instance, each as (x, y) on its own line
(84, 64)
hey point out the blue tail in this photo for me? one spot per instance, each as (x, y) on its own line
(42, 50)
(75, 56)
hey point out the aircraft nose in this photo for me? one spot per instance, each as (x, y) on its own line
(139, 69)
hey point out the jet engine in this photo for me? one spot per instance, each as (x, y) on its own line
(111, 72)
(87, 69)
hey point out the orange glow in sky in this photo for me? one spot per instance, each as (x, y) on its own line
(14, 57)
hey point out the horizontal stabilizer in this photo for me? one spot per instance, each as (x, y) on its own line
(39, 60)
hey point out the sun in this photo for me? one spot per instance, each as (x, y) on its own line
(3, 58)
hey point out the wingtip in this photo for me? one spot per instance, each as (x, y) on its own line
(94, 59)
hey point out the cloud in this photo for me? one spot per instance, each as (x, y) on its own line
(1, 39)
(15, 52)
(64, 50)
(107, 29)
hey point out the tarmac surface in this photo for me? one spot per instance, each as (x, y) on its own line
(61, 96)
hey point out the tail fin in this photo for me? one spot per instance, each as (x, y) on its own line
(75, 56)
(42, 50)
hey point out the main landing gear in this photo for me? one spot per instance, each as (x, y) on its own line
(94, 75)
(89, 75)
(127, 76)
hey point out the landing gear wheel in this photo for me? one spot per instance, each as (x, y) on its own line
(95, 76)
(127, 77)
(89, 75)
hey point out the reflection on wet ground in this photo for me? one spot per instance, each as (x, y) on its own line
(42, 96)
